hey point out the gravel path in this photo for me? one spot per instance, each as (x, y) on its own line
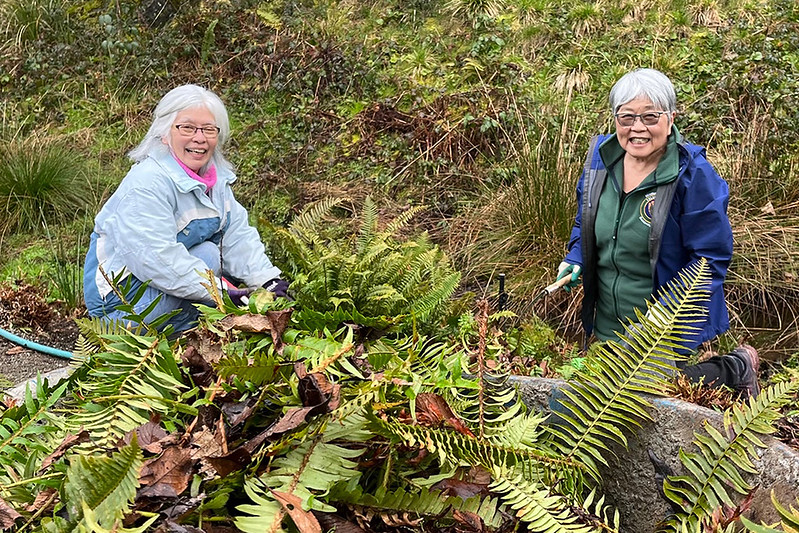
(18, 364)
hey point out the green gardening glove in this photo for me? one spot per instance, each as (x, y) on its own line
(567, 269)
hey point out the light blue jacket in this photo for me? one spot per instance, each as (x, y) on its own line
(147, 226)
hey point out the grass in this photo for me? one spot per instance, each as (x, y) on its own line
(40, 181)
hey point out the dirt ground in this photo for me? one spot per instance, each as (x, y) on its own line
(25, 313)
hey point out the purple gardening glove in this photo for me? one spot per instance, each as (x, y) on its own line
(237, 295)
(279, 287)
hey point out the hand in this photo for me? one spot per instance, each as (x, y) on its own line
(238, 296)
(279, 287)
(567, 269)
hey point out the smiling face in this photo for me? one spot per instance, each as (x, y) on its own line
(645, 143)
(194, 151)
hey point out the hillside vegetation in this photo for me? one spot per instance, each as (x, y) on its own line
(479, 110)
(397, 157)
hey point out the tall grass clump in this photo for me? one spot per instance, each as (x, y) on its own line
(40, 180)
(27, 20)
(522, 228)
(762, 290)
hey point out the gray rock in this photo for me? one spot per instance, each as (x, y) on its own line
(629, 480)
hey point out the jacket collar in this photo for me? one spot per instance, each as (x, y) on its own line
(185, 183)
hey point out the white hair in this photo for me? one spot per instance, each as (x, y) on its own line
(177, 100)
(644, 83)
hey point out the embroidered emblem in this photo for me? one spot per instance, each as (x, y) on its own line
(647, 206)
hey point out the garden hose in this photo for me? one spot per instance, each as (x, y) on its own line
(49, 350)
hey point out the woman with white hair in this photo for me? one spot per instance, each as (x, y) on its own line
(649, 205)
(173, 217)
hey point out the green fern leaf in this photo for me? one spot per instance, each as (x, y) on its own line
(106, 485)
(713, 470)
(419, 503)
(401, 221)
(258, 367)
(368, 229)
(135, 377)
(307, 470)
(265, 515)
(534, 503)
(311, 217)
(453, 449)
(605, 403)
(423, 307)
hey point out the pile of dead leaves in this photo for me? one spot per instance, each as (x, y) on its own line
(23, 306)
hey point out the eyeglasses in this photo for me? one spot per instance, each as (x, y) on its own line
(187, 130)
(647, 119)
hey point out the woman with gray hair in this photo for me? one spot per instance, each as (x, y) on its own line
(649, 205)
(173, 217)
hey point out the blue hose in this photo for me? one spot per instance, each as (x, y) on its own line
(49, 350)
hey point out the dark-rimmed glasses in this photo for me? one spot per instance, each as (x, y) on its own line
(187, 130)
(650, 118)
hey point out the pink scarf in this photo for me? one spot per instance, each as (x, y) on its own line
(209, 179)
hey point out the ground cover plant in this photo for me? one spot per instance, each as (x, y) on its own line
(258, 421)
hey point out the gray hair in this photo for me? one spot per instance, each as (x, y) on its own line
(177, 100)
(644, 83)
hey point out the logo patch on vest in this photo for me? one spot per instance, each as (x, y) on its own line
(647, 206)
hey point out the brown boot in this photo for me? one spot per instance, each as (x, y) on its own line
(748, 386)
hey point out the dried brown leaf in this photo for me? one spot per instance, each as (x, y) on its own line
(304, 520)
(68, 442)
(330, 521)
(44, 501)
(231, 462)
(468, 521)
(169, 473)
(8, 515)
(273, 322)
(433, 410)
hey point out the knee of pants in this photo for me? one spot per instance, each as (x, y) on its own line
(208, 253)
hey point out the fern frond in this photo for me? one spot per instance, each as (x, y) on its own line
(423, 307)
(96, 330)
(30, 431)
(454, 449)
(713, 471)
(106, 485)
(135, 377)
(421, 503)
(311, 468)
(368, 229)
(605, 403)
(501, 404)
(84, 349)
(312, 215)
(517, 432)
(401, 221)
(265, 515)
(534, 503)
(258, 367)
(419, 264)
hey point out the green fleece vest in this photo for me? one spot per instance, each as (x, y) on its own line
(622, 237)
